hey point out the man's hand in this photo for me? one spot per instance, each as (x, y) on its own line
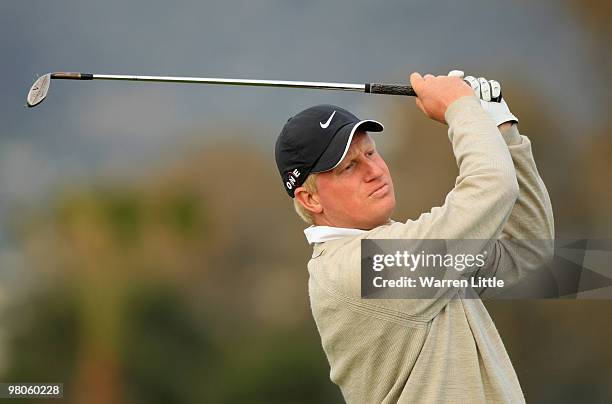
(435, 94)
(486, 90)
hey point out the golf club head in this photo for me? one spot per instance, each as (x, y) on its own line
(38, 91)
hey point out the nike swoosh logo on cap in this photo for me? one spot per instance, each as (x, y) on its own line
(326, 124)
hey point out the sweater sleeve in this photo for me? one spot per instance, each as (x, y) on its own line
(527, 239)
(531, 217)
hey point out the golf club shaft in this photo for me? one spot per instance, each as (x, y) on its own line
(374, 88)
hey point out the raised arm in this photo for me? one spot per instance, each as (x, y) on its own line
(486, 187)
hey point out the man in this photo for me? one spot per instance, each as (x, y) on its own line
(394, 350)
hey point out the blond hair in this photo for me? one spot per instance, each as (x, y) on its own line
(310, 185)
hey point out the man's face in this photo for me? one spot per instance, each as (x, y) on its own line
(358, 193)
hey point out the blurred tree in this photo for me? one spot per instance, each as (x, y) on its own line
(43, 335)
(167, 355)
(178, 297)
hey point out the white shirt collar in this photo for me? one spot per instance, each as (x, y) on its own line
(320, 234)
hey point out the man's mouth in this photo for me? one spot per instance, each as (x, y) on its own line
(380, 191)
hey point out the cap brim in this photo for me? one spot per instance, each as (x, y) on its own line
(338, 147)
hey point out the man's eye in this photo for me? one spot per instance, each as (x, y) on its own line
(370, 153)
(349, 166)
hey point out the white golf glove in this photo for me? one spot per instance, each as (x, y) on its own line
(486, 90)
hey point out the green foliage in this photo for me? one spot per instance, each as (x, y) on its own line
(166, 355)
(124, 214)
(43, 336)
(184, 214)
(284, 367)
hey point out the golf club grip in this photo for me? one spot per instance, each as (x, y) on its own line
(396, 89)
(72, 76)
(391, 89)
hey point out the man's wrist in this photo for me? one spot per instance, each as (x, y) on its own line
(461, 108)
(505, 126)
(510, 133)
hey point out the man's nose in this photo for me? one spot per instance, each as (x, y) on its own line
(373, 171)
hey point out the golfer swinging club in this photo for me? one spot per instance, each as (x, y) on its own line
(387, 350)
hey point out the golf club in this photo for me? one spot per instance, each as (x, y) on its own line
(40, 88)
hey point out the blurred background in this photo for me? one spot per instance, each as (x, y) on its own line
(148, 252)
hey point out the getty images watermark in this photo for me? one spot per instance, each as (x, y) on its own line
(504, 269)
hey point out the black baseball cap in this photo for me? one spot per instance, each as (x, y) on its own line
(316, 140)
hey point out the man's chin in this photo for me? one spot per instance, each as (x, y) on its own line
(381, 220)
(386, 207)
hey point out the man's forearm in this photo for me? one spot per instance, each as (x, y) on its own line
(531, 216)
(527, 243)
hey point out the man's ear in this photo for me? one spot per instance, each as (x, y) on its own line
(309, 201)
